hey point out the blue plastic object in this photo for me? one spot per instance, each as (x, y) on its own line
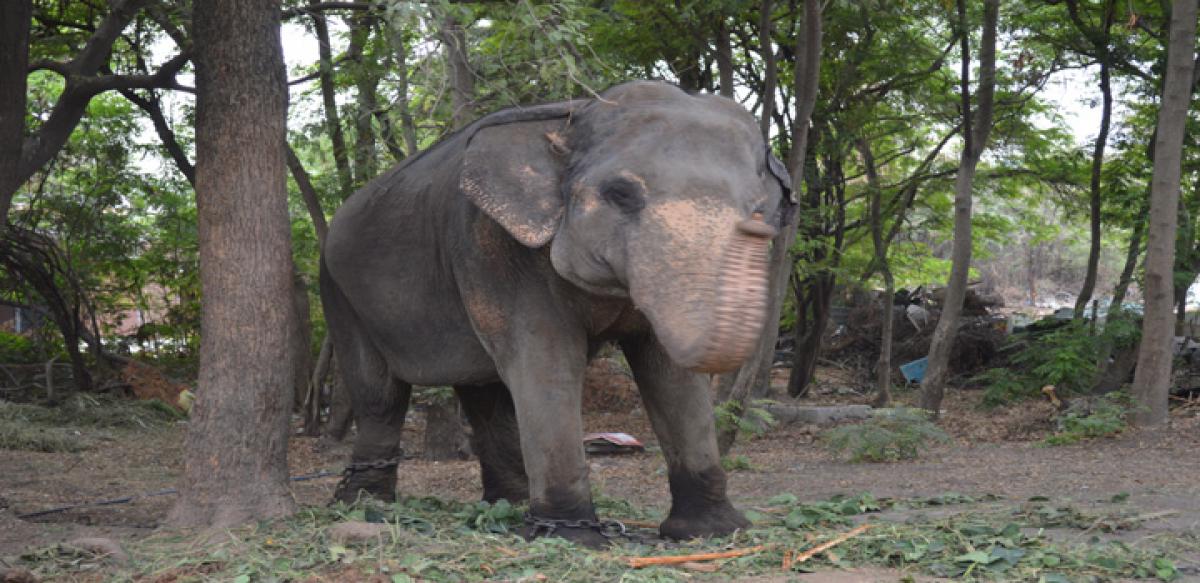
(914, 372)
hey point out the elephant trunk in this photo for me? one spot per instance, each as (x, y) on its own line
(713, 325)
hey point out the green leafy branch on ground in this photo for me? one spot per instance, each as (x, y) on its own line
(428, 539)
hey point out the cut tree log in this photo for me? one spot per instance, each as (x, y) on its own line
(792, 414)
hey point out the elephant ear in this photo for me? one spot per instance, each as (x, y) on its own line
(512, 174)
(780, 172)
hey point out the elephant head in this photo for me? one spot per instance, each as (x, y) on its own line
(648, 193)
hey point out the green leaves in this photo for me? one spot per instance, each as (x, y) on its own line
(890, 435)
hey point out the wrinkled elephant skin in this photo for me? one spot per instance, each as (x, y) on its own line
(500, 259)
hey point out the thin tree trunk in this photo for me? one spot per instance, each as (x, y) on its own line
(815, 297)
(883, 383)
(366, 82)
(15, 16)
(333, 125)
(1131, 260)
(312, 398)
(341, 410)
(1152, 379)
(309, 193)
(235, 466)
(976, 128)
(757, 369)
(770, 67)
(166, 135)
(462, 79)
(408, 127)
(1102, 50)
(724, 59)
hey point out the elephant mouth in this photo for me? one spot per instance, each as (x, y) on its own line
(715, 324)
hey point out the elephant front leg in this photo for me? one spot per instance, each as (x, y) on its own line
(545, 377)
(681, 412)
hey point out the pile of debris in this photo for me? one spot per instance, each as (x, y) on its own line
(855, 342)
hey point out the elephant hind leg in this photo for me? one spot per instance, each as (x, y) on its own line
(496, 440)
(379, 401)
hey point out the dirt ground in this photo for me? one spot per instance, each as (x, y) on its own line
(995, 456)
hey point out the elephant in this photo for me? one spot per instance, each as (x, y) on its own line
(499, 260)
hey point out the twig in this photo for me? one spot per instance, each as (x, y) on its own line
(639, 562)
(810, 553)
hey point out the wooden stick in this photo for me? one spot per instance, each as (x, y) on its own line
(639, 562)
(810, 553)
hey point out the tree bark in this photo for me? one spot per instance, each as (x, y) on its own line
(1101, 41)
(1152, 379)
(757, 369)
(333, 125)
(15, 16)
(976, 128)
(236, 450)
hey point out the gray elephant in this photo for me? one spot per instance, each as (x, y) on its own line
(499, 260)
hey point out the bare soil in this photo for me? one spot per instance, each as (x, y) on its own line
(993, 454)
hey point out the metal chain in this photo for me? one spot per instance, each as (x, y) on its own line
(356, 467)
(609, 529)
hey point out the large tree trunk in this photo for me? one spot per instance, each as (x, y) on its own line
(1152, 379)
(236, 456)
(976, 128)
(15, 16)
(756, 372)
(1093, 263)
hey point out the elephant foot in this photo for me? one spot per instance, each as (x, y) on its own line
(376, 483)
(588, 533)
(716, 521)
(699, 506)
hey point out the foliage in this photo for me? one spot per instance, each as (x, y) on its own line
(1104, 416)
(21, 436)
(17, 349)
(1004, 386)
(428, 539)
(1066, 358)
(889, 435)
(753, 419)
(93, 411)
(71, 425)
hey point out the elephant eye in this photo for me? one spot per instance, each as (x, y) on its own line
(624, 194)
